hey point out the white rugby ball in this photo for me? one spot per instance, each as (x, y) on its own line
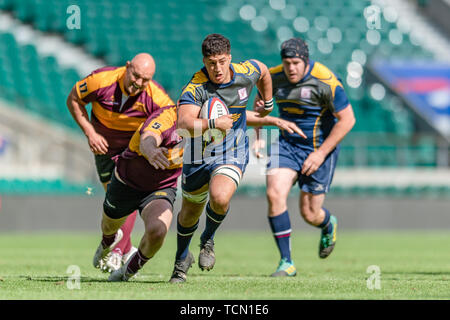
(213, 108)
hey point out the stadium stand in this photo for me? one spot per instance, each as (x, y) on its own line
(385, 134)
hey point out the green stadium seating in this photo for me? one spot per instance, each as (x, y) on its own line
(173, 30)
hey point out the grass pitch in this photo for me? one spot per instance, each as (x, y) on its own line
(413, 265)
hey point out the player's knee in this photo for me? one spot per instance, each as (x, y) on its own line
(309, 213)
(274, 196)
(219, 202)
(155, 233)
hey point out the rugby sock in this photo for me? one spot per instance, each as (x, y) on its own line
(281, 229)
(184, 236)
(108, 240)
(325, 225)
(137, 262)
(124, 245)
(213, 221)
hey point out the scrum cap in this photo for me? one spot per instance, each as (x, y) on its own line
(295, 48)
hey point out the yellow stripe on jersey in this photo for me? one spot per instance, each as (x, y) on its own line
(290, 101)
(114, 120)
(135, 141)
(324, 74)
(198, 80)
(163, 122)
(293, 110)
(158, 95)
(316, 127)
(245, 67)
(276, 69)
(98, 80)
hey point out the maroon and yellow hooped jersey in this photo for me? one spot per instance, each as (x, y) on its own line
(115, 115)
(132, 165)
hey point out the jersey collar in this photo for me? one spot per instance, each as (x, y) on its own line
(121, 78)
(311, 66)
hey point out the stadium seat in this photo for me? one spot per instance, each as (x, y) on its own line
(173, 30)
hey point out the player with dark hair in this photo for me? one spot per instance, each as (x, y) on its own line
(310, 95)
(122, 99)
(145, 179)
(217, 169)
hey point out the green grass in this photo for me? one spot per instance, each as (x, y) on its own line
(414, 265)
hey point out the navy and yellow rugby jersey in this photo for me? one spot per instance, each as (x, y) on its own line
(310, 103)
(235, 95)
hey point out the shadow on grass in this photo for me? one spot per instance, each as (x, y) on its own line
(62, 280)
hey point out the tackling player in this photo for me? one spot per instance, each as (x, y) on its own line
(310, 95)
(217, 169)
(122, 99)
(145, 179)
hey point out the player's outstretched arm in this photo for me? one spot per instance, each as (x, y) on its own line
(188, 119)
(264, 86)
(150, 147)
(77, 108)
(254, 120)
(345, 123)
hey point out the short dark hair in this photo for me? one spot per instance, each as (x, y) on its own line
(215, 44)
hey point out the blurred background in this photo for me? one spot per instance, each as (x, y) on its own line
(392, 56)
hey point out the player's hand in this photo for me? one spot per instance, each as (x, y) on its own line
(313, 162)
(157, 157)
(97, 143)
(289, 126)
(259, 107)
(224, 123)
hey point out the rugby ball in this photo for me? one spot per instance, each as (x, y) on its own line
(213, 108)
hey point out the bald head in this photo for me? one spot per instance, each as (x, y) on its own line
(145, 63)
(139, 73)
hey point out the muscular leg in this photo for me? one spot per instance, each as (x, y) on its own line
(157, 216)
(221, 190)
(187, 221)
(314, 214)
(222, 186)
(311, 208)
(279, 182)
(125, 244)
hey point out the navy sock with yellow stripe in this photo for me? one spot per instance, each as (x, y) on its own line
(184, 236)
(213, 221)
